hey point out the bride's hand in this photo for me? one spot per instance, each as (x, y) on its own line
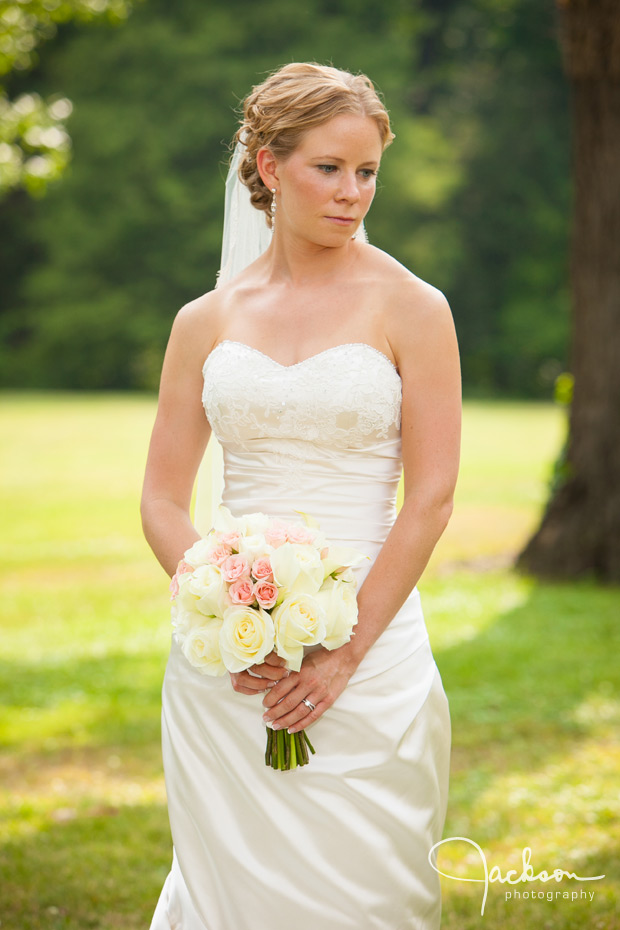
(260, 677)
(322, 677)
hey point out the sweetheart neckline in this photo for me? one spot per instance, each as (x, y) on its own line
(309, 358)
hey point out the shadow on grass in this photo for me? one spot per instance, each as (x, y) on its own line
(517, 690)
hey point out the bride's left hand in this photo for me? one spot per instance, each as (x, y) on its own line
(322, 677)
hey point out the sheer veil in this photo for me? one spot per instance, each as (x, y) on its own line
(245, 237)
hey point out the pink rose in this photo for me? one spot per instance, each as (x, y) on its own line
(266, 594)
(242, 592)
(261, 569)
(182, 569)
(276, 534)
(231, 539)
(299, 534)
(219, 553)
(235, 567)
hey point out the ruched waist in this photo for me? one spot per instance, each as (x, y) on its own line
(352, 495)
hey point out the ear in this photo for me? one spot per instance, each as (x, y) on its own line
(267, 167)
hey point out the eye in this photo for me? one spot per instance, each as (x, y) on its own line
(367, 173)
(327, 169)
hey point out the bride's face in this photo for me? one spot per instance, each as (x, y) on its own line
(327, 185)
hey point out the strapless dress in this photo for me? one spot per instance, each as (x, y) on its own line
(343, 842)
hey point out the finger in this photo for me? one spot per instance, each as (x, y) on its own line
(252, 683)
(273, 672)
(301, 716)
(274, 659)
(280, 690)
(279, 705)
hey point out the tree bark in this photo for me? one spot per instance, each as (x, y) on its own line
(580, 530)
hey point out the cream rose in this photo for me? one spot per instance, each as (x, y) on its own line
(254, 547)
(298, 621)
(297, 568)
(207, 585)
(199, 553)
(254, 524)
(202, 650)
(339, 601)
(246, 637)
(185, 619)
(340, 557)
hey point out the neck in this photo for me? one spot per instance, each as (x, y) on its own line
(297, 262)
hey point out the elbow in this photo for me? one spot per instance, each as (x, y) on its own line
(436, 508)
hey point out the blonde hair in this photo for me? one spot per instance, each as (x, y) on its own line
(292, 100)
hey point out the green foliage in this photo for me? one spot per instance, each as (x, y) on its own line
(473, 194)
(34, 145)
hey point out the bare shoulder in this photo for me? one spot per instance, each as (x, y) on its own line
(198, 323)
(415, 314)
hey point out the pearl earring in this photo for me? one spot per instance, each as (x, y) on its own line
(273, 208)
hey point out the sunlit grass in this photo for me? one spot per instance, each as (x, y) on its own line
(529, 669)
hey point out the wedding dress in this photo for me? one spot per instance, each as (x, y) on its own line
(343, 842)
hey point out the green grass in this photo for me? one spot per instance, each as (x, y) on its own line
(530, 671)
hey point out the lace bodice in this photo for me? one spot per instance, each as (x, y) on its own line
(322, 436)
(344, 397)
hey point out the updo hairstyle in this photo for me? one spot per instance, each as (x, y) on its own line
(293, 100)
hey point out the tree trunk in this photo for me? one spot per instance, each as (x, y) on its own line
(580, 530)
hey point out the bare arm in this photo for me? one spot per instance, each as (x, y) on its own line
(179, 439)
(427, 353)
(431, 436)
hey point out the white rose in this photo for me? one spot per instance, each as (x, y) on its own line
(184, 619)
(198, 554)
(207, 585)
(202, 650)
(246, 637)
(255, 546)
(339, 601)
(341, 556)
(225, 522)
(297, 568)
(254, 523)
(299, 621)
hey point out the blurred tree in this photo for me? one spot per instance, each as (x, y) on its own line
(34, 144)
(580, 530)
(473, 196)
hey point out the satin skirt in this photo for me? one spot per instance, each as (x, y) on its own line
(341, 843)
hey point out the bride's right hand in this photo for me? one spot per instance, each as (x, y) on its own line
(261, 677)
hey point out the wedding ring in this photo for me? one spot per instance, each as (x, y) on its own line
(308, 703)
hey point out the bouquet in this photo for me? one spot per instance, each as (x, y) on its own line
(254, 585)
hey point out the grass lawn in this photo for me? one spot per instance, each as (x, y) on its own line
(530, 671)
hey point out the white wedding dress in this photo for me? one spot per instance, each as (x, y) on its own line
(343, 842)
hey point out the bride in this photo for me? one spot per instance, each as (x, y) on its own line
(323, 368)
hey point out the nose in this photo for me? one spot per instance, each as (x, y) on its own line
(349, 189)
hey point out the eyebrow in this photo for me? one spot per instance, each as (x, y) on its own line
(334, 158)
